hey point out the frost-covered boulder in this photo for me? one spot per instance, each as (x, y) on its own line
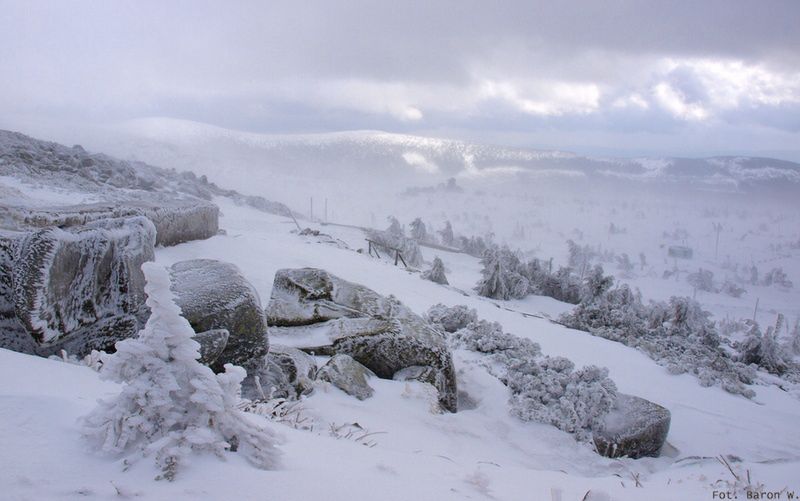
(348, 375)
(82, 288)
(634, 427)
(289, 372)
(315, 310)
(215, 295)
(212, 344)
(176, 221)
(12, 334)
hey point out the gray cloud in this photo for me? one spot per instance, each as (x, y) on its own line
(507, 68)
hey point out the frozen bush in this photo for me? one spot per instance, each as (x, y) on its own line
(677, 334)
(436, 272)
(451, 319)
(731, 289)
(171, 405)
(702, 280)
(501, 278)
(777, 277)
(764, 350)
(543, 389)
(551, 391)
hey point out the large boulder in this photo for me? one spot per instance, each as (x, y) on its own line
(317, 311)
(634, 428)
(176, 221)
(13, 335)
(289, 373)
(348, 375)
(212, 344)
(80, 288)
(215, 295)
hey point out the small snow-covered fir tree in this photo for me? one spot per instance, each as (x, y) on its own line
(394, 228)
(418, 230)
(436, 273)
(494, 281)
(447, 234)
(170, 404)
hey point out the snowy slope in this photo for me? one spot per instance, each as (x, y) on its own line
(476, 453)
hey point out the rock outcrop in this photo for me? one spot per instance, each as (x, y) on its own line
(320, 312)
(289, 372)
(348, 375)
(634, 428)
(176, 221)
(212, 344)
(215, 295)
(80, 288)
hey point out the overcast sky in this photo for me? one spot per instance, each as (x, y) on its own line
(603, 77)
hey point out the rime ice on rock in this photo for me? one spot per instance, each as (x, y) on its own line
(215, 295)
(634, 427)
(348, 375)
(342, 317)
(82, 288)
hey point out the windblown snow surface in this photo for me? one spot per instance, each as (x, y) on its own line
(481, 452)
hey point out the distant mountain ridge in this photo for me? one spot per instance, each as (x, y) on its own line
(414, 159)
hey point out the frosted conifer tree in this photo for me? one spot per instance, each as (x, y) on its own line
(170, 404)
(447, 234)
(418, 230)
(436, 273)
(493, 283)
(394, 228)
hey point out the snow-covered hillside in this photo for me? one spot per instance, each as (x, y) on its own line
(479, 452)
(398, 444)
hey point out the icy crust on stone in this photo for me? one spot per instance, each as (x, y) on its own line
(345, 373)
(82, 288)
(176, 221)
(212, 344)
(634, 427)
(289, 372)
(378, 332)
(215, 295)
(12, 334)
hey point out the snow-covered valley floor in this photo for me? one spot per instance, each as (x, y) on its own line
(478, 453)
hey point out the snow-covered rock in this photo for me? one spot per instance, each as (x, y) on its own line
(176, 221)
(634, 427)
(290, 372)
(82, 288)
(215, 295)
(212, 344)
(320, 311)
(348, 375)
(12, 334)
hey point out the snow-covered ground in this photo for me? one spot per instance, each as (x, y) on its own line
(477, 453)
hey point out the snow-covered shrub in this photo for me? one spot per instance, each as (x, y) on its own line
(561, 285)
(447, 234)
(677, 334)
(732, 289)
(393, 239)
(436, 272)
(625, 266)
(543, 389)
(171, 405)
(580, 256)
(777, 277)
(764, 349)
(501, 277)
(418, 230)
(702, 280)
(451, 319)
(551, 391)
